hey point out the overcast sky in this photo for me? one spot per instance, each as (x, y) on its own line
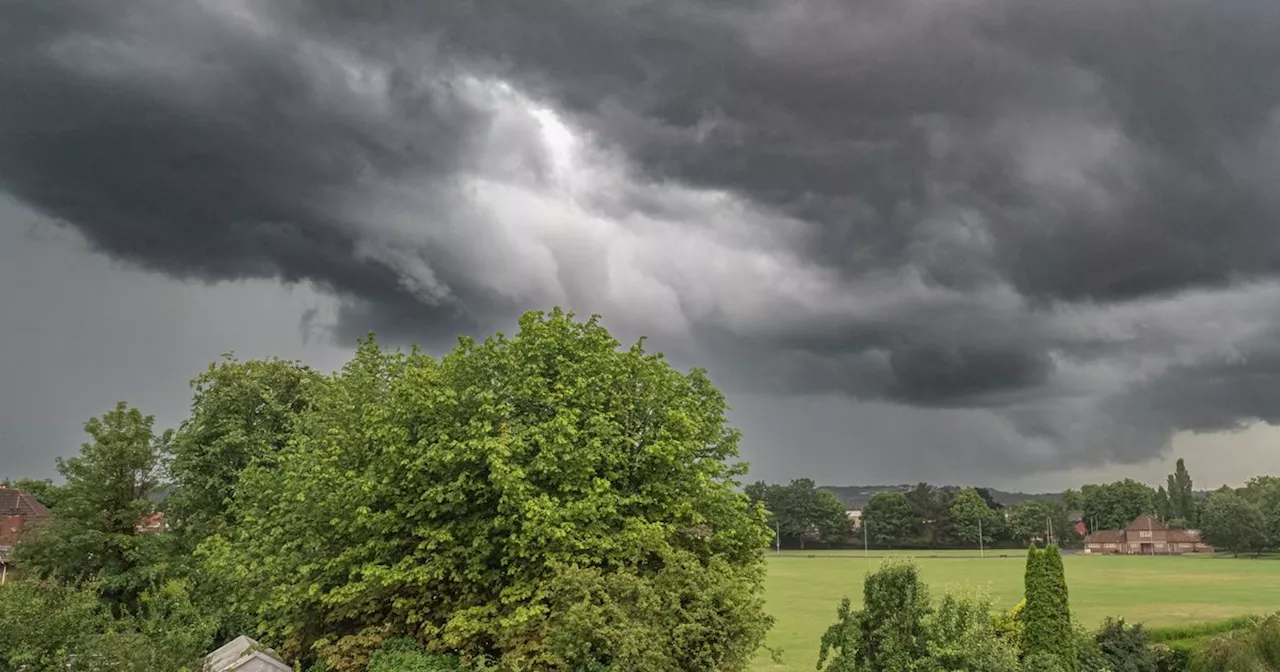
(1022, 243)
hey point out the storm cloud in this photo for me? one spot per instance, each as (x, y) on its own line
(1056, 219)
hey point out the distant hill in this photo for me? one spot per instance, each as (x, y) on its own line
(856, 496)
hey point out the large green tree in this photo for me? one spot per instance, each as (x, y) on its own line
(972, 517)
(93, 533)
(800, 511)
(492, 501)
(889, 518)
(242, 415)
(1232, 521)
(1181, 493)
(1112, 506)
(1037, 519)
(931, 507)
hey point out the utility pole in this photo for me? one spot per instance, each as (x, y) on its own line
(777, 538)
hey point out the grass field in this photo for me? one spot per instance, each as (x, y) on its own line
(803, 592)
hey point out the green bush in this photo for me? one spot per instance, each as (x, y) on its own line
(1232, 653)
(47, 626)
(1170, 659)
(1041, 662)
(1125, 647)
(900, 631)
(1047, 616)
(405, 655)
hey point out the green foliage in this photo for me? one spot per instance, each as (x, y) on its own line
(888, 634)
(401, 654)
(1047, 616)
(443, 500)
(800, 512)
(92, 534)
(1041, 661)
(242, 415)
(899, 630)
(971, 514)
(1125, 647)
(1264, 492)
(46, 626)
(889, 518)
(1008, 626)
(1170, 659)
(1033, 519)
(931, 516)
(684, 616)
(963, 637)
(1232, 521)
(1181, 495)
(1201, 630)
(1112, 506)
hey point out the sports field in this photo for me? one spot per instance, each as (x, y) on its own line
(803, 590)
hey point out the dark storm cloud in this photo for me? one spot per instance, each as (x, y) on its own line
(1044, 211)
(868, 118)
(192, 146)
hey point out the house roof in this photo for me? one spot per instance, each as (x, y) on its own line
(19, 503)
(1105, 537)
(1185, 536)
(1146, 522)
(244, 653)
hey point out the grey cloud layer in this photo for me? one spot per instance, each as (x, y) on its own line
(1059, 215)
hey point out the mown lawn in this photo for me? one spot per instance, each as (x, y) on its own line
(803, 590)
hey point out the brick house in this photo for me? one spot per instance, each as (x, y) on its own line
(18, 511)
(1146, 536)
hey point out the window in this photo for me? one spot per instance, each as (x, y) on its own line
(1145, 534)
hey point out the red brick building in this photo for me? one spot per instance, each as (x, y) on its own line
(18, 510)
(1146, 536)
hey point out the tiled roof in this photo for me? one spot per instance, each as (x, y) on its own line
(1146, 522)
(18, 503)
(1105, 537)
(1184, 536)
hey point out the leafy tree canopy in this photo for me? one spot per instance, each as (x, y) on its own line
(93, 534)
(889, 518)
(456, 501)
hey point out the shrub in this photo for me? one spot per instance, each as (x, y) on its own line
(1008, 626)
(1170, 659)
(888, 635)
(961, 636)
(1047, 617)
(1041, 661)
(1125, 647)
(1232, 653)
(899, 631)
(405, 655)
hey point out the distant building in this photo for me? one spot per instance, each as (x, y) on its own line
(152, 523)
(18, 511)
(855, 517)
(1146, 536)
